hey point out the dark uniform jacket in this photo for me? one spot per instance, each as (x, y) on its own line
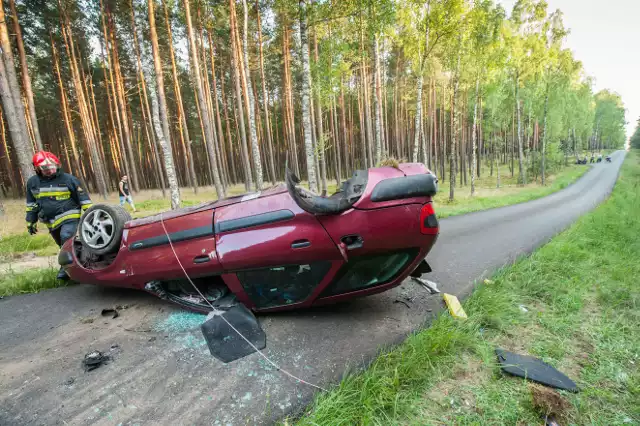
(55, 199)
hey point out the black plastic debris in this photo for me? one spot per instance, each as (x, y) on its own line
(403, 302)
(94, 359)
(534, 369)
(224, 342)
(113, 312)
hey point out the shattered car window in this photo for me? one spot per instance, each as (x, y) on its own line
(369, 271)
(282, 285)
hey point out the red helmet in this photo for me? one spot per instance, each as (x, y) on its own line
(46, 163)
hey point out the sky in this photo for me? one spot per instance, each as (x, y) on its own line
(605, 36)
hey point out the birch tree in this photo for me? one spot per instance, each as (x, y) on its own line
(306, 96)
(206, 119)
(159, 111)
(236, 61)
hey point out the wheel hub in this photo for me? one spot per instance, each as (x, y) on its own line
(98, 229)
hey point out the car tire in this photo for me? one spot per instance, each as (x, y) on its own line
(100, 228)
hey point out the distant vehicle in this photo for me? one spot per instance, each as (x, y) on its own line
(282, 248)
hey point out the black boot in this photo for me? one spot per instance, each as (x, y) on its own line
(62, 275)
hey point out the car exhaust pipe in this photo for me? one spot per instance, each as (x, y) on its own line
(312, 203)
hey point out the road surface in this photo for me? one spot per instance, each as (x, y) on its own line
(161, 371)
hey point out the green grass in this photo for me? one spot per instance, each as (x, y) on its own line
(583, 301)
(42, 244)
(508, 194)
(32, 281)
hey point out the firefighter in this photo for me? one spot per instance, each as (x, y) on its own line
(56, 198)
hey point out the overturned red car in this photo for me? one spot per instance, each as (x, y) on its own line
(282, 248)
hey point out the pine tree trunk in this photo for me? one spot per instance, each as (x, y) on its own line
(232, 160)
(498, 170)
(454, 128)
(112, 95)
(306, 98)
(216, 149)
(65, 113)
(523, 171)
(18, 121)
(6, 158)
(443, 135)
(85, 116)
(481, 141)
(544, 136)
(147, 115)
(26, 80)
(22, 146)
(344, 128)
(220, 136)
(434, 125)
(159, 107)
(255, 150)
(363, 133)
(121, 101)
(236, 64)
(474, 139)
(206, 121)
(184, 128)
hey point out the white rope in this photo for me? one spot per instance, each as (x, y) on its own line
(219, 313)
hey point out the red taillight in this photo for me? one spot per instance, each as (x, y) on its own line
(428, 220)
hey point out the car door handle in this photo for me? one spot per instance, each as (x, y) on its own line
(352, 242)
(298, 244)
(201, 259)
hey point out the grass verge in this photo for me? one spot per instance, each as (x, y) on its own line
(41, 244)
(489, 197)
(575, 303)
(32, 281)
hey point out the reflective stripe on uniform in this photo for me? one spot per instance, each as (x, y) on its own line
(60, 192)
(32, 206)
(69, 214)
(53, 189)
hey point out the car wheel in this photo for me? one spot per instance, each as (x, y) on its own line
(101, 228)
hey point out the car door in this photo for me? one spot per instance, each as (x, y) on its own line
(151, 257)
(278, 253)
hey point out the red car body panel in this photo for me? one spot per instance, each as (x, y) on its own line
(268, 232)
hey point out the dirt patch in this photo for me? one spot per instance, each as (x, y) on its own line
(549, 402)
(27, 261)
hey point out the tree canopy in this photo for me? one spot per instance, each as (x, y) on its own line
(362, 80)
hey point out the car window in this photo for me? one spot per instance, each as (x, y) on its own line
(370, 271)
(282, 285)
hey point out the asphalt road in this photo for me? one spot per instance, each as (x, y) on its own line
(161, 371)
